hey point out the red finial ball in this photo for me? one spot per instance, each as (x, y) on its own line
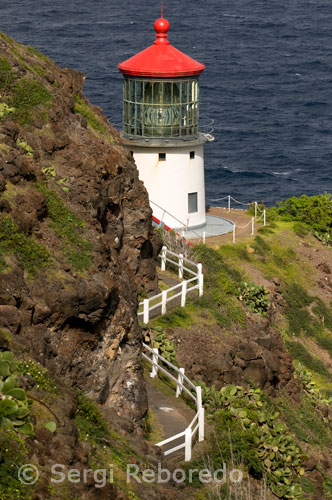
(161, 25)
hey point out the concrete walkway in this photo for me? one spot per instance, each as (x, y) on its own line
(172, 414)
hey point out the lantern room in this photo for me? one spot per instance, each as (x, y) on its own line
(161, 129)
(160, 107)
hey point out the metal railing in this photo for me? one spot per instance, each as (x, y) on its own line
(183, 384)
(185, 266)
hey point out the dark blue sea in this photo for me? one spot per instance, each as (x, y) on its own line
(267, 84)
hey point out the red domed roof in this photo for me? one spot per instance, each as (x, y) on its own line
(161, 59)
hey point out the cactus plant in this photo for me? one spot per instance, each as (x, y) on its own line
(275, 448)
(165, 346)
(14, 404)
(255, 297)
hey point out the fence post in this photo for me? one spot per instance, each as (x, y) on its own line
(253, 225)
(264, 217)
(200, 410)
(229, 203)
(200, 279)
(187, 449)
(163, 258)
(146, 312)
(255, 209)
(180, 265)
(163, 302)
(204, 237)
(234, 233)
(155, 357)
(183, 293)
(179, 384)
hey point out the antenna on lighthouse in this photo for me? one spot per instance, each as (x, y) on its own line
(161, 9)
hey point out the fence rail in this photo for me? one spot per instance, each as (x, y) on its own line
(185, 267)
(183, 384)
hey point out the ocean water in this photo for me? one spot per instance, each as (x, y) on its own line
(267, 83)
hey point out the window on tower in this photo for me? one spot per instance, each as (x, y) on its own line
(192, 203)
(162, 156)
(192, 155)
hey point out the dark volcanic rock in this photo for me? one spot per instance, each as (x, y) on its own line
(81, 325)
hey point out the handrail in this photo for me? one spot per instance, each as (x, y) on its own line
(182, 225)
(163, 298)
(189, 433)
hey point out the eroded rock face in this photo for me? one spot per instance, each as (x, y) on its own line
(82, 325)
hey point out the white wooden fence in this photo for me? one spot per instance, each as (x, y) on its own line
(185, 267)
(183, 440)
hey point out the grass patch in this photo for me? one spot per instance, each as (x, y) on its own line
(300, 353)
(35, 52)
(306, 422)
(39, 70)
(177, 317)
(93, 120)
(68, 227)
(31, 255)
(27, 95)
(83, 109)
(221, 287)
(6, 37)
(6, 75)
(39, 374)
(13, 454)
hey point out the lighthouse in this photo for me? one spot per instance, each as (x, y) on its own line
(161, 129)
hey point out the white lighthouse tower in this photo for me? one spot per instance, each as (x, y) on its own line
(160, 129)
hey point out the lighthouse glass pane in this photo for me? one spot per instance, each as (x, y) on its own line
(160, 108)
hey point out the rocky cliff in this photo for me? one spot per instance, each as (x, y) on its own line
(76, 241)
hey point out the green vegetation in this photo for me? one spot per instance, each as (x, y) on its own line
(27, 95)
(256, 298)
(93, 120)
(13, 454)
(90, 421)
(309, 212)
(39, 374)
(35, 52)
(31, 255)
(304, 420)
(68, 227)
(300, 353)
(6, 75)
(249, 432)
(221, 285)
(165, 346)
(14, 404)
(176, 317)
(24, 145)
(315, 211)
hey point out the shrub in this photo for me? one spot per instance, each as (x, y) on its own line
(315, 211)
